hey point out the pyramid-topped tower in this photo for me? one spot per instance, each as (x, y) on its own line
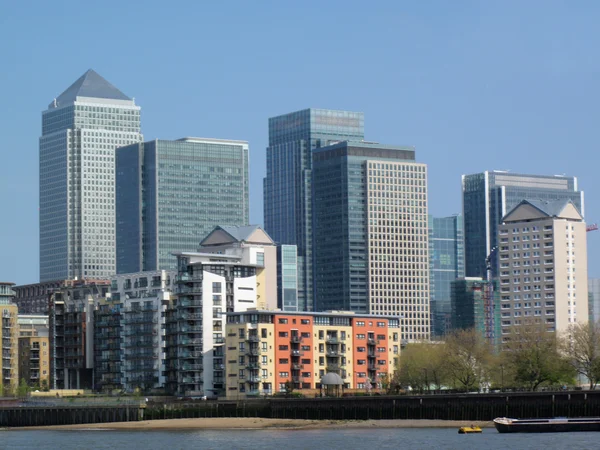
(81, 129)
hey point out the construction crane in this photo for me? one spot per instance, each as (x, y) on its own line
(488, 298)
(591, 227)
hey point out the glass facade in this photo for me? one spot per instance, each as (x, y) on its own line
(171, 194)
(447, 262)
(80, 131)
(489, 196)
(287, 186)
(475, 303)
(594, 299)
(370, 233)
(287, 278)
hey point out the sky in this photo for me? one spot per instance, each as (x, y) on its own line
(472, 85)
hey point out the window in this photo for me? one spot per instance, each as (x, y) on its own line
(216, 287)
(283, 321)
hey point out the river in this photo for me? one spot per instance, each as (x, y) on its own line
(408, 438)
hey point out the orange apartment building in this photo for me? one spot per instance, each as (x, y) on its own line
(267, 349)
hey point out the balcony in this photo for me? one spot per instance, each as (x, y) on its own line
(297, 366)
(334, 353)
(296, 339)
(372, 341)
(253, 351)
(252, 366)
(297, 352)
(332, 340)
(253, 379)
(253, 339)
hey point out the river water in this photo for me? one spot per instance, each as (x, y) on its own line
(381, 438)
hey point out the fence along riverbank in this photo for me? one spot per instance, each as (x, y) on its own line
(476, 407)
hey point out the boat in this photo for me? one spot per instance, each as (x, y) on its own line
(469, 430)
(555, 425)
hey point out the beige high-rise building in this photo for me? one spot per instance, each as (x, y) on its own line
(9, 334)
(34, 350)
(543, 266)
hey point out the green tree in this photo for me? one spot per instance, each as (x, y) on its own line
(44, 385)
(581, 346)
(534, 356)
(422, 366)
(23, 388)
(468, 358)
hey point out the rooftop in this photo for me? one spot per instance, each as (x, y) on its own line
(90, 85)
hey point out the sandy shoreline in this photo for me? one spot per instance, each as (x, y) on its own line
(259, 423)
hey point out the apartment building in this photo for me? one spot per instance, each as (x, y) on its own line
(543, 265)
(71, 324)
(129, 332)
(209, 284)
(268, 350)
(9, 333)
(34, 350)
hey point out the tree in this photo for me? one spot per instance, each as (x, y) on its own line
(423, 365)
(468, 357)
(289, 388)
(44, 385)
(533, 353)
(581, 346)
(23, 389)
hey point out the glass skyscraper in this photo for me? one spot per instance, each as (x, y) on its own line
(489, 196)
(447, 259)
(80, 130)
(371, 251)
(594, 299)
(171, 194)
(287, 185)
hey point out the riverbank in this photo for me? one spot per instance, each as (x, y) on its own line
(223, 423)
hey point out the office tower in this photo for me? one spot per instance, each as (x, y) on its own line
(543, 265)
(268, 350)
(447, 263)
(171, 194)
(287, 278)
(9, 334)
(80, 130)
(475, 303)
(287, 186)
(594, 299)
(34, 350)
(370, 233)
(488, 196)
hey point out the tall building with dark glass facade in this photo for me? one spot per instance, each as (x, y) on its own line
(287, 185)
(489, 196)
(447, 259)
(371, 252)
(171, 194)
(81, 129)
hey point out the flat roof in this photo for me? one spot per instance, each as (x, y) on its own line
(350, 314)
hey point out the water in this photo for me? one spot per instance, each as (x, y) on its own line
(380, 438)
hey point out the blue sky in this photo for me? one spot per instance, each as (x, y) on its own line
(473, 86)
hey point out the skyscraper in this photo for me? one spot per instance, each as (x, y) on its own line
(80, 130)
(447, 259)
(287, 186)
(370, 233)
(171, 194)
(488, 196)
